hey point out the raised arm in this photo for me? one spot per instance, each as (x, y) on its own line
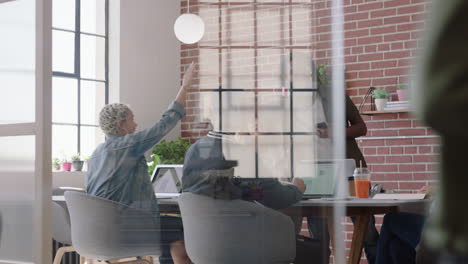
(147, 138)
(186, 82)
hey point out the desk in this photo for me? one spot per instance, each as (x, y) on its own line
(362, 209)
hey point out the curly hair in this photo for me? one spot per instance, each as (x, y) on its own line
(109, 116)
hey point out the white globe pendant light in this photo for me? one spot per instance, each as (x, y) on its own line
(189, 28)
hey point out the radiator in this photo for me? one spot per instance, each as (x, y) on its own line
(68, 258)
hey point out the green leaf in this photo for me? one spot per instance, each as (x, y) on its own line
(172, 152)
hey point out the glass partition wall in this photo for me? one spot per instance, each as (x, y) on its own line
(25, 131)
(270, 74)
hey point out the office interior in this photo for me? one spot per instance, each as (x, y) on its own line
(259, 86)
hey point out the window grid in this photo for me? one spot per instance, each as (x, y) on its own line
(76, 75)
(255, 47)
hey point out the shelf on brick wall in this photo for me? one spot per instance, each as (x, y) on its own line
(385, 112)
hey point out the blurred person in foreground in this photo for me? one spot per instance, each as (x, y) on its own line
(442, 102)
(118, 171)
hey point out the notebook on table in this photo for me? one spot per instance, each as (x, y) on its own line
(167, 181)
(322, 180)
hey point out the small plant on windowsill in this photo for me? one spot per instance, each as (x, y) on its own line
(380, 96)
(77, 162)
(66, 165)
(56, 164)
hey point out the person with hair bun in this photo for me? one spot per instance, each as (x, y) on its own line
(117, 169)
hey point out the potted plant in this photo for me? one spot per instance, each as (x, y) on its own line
(56, 164)
(77, 162)
(380, 96)
(322, 76)
(402, 91)
(172, 152)
(66, 165)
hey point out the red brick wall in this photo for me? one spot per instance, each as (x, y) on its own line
(381, 40)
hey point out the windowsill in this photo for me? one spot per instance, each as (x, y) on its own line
(72, 173)
(68, 179)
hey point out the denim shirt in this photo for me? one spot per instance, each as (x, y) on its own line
(117, 169)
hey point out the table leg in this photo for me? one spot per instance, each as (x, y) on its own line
(359, 232)
(331, 232)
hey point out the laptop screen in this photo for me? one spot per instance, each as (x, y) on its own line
(167, 179)
(322, 181)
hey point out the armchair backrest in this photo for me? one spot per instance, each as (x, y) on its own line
(102, 229)
(61, 228)
(235, 231)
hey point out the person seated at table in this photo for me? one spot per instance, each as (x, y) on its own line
(207, 172)
(117, 169)
(400, 235)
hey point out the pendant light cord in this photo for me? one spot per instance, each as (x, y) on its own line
(188, 6)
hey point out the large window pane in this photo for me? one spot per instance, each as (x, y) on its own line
(273, 69)
(93, 97)
(303, 28)
(305, 111)
(63, 51)
(302, 72)
(63, 14)
(274, 157)
(17, 62)
(90, 138)
(208, 73)
(272, 29)
(64, 141)
(93, 16)
(273, 106)
(93, 57)
(209, 108)
(237, 25)
(237, 112)
(238, 69)
(210, 15)
(64, 100)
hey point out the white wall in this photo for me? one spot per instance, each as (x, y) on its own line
(144, 57)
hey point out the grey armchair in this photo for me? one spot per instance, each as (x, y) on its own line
(235, 231)
(61, 230)
(105, 230)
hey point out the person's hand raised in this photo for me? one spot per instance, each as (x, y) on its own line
(188, 76)
(186, 82)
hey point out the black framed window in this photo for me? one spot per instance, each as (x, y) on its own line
(256, 81)
(80, 86)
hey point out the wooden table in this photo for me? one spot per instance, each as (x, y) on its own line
(361, 209)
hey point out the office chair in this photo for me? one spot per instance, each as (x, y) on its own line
(61, 230)
(106, 230)
(235, 231)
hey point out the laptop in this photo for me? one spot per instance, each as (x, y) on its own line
(167, 181)
(322, 181)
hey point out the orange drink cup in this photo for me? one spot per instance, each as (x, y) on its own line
(362, 188)
(361, 182)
